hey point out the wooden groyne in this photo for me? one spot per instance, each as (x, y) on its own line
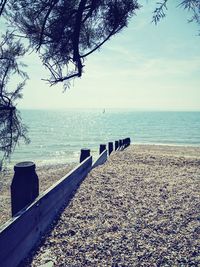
(33, 213)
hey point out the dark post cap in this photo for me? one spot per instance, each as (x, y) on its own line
(24, 166)
(110, 147)
(102, 147)
(85, 150)
(85, 153)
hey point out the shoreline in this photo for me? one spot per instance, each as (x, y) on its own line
(189, 151)
(168, 144)
(44, 163)
(48, 162)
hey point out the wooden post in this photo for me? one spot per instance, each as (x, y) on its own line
(124, 143)
(24, 186)
(110, 147)
(127, 142)
(120, 143)
(102, 147)
(116, 145)
(85, 153)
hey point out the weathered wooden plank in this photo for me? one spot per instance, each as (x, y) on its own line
(101, 159)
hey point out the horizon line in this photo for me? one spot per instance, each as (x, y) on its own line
(113, 108)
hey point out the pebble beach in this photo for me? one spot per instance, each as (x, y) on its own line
(141, 208)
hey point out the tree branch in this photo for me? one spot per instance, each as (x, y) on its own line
(63, 78)
(2, 6)
(99, 45)
(44, 22)
(77, 29)
(159, 11)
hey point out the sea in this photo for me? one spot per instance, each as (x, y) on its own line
(57, 136)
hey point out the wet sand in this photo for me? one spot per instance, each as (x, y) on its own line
(141, 208)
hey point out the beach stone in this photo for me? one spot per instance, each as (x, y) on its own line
(47, 264)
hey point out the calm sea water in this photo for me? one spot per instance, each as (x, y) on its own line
(58, 136)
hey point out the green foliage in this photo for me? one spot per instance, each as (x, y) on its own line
(11, 126)
(194, 7)
(66, 32)
(191, 5)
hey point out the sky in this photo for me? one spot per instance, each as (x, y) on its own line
(145, 67)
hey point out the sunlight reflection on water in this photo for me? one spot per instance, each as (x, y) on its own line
(58, 136)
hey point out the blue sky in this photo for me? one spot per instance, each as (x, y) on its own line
(145, 67)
